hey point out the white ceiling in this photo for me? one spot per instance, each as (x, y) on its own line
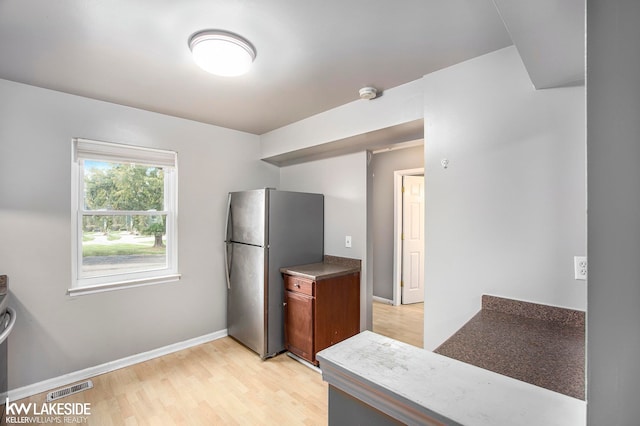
(311, 55)
(550, 37)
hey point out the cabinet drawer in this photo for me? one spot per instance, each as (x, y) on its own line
(299, 285)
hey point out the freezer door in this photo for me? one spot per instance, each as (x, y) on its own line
(247, 219)
(246, 296)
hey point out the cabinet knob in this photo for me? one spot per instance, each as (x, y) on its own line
(296, 285)
(284, 304)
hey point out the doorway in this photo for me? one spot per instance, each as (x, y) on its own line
(389, 316)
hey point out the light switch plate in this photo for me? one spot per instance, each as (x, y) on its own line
(347, 241)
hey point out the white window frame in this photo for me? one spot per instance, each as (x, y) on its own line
(85, 149)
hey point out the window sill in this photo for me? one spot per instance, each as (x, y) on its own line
(121, 285)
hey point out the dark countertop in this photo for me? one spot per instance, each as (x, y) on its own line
(331, 267)
(549, 354)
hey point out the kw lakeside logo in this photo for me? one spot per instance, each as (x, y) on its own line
(47, 413)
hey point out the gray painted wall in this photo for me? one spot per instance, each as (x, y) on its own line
(382, 166)
(56, 334)
(509, 213)
(613, 143)
(345, 410)
(342, 180)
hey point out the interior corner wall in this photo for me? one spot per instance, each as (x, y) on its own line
(343, 181)
(382, 166)
(55, 334)
(613, 147)
(398, 105)
(509, 213)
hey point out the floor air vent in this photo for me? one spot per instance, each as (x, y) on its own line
(69, 390)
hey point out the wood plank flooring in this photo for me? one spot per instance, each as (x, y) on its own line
(217, 383)
(403, 322)
(224, 383)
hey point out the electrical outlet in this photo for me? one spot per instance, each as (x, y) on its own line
(347, 241)
(580, 267)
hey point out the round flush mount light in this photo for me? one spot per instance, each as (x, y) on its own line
(221, 52)
(368, 93)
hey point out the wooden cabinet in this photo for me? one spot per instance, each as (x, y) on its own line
(319, 313)
(298, 325)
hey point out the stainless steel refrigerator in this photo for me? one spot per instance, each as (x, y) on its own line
(266, 230)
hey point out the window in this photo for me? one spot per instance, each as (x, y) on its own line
(125, 200)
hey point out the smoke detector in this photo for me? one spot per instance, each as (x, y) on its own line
(368, 93)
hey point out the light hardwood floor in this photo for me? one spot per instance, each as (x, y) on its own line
(402, 322)
(217, 383)
(224, 383)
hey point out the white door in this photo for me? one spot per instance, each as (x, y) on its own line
(412, 239)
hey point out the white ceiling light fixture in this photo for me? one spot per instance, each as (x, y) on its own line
(221, 52)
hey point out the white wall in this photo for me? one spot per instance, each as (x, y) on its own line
(508, 214)
(382, 166)
(613, 141)
(56, 334)
(397, 105)
(342, 180)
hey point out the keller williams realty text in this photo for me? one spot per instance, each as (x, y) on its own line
(46, 420)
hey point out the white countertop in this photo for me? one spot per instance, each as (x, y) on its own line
(416, 385)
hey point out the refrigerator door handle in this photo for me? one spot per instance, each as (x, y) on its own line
(227, 267)
(227, 237)
(4, 333)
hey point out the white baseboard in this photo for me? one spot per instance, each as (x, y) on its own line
(87, 373)
(382, 300)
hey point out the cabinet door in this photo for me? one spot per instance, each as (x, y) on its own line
(298, 324)
(337, 310)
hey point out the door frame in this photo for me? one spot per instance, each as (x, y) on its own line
(397, 229)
